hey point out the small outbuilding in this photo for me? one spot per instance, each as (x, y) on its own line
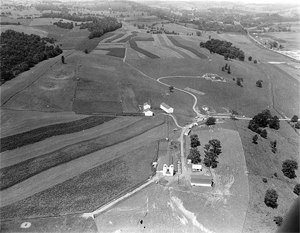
(198, 180)
(166, 108)
(196, 167)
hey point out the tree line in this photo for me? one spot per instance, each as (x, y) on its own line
(67, 25)
(20, 51)
(223, 48)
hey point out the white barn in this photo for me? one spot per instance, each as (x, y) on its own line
(166, 108)
(196, 167)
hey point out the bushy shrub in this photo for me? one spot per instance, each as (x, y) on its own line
(265, 180)
(278, 220)
(297, 189)
(271, 198)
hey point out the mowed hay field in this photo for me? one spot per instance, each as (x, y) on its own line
(263, 163)
(90, 190)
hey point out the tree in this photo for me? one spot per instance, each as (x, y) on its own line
(271, 197)
(264, 133)
(274, 123)
(278, 220)
(297, 189)
(171, 88)
(254, 139)
(198, 33)
(86, 51)
(297, 125)
(249, 58)
(211, 153)
(238, 82)
(295, 118)
(255, 61)
(226, 66)
(194, 140)
(259, 83)
(210, 121)
(194, 156)
(289, 167)
(223, 68)
(209, 37)
(62, 59)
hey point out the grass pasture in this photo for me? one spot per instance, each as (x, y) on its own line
(124, 40)
(21, 171)
(39, 134)
(161, 51)
(53, 91)
(89, 45)
(66, 38)
(25, 29)
(101, 184)
(24, 22)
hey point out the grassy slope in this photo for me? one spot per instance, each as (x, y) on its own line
(13, 122)
(26, 169)
(88, 191)
(39, 134)
(262, 163)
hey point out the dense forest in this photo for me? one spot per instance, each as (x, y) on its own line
(19, 52)
(224, 48)
(64, 25)
(100, 26)
(96, 26)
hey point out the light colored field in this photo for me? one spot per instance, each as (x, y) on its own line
(194, 91)
(75, 167)
(124, 36)
(159, 51)
(169, 43)
(109, 38)
(290, 39)
(166, 50)
(14, 122)
(178, 28)
(131, 54)
(100, 52)
(26, 30)
(48, 145)
(110, 45)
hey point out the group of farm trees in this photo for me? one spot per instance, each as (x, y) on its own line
(19, 52)
(211, 151)
(67, 25)
(194, 154)
(223, 48)
(262, 120)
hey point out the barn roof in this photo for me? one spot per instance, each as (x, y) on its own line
(201, 179)
(165, 105)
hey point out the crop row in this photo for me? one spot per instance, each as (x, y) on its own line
(42, 133)
(21, 171)
(134, 46)
(101, 185)
(194, 51)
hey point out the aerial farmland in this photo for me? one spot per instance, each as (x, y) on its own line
(104, 131)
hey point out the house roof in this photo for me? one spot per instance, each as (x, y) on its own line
(201, 179)
(196, 166)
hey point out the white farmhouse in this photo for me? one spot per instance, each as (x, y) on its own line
(166, 108)
(148, 113)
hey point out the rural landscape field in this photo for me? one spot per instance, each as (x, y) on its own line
(100, 100)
